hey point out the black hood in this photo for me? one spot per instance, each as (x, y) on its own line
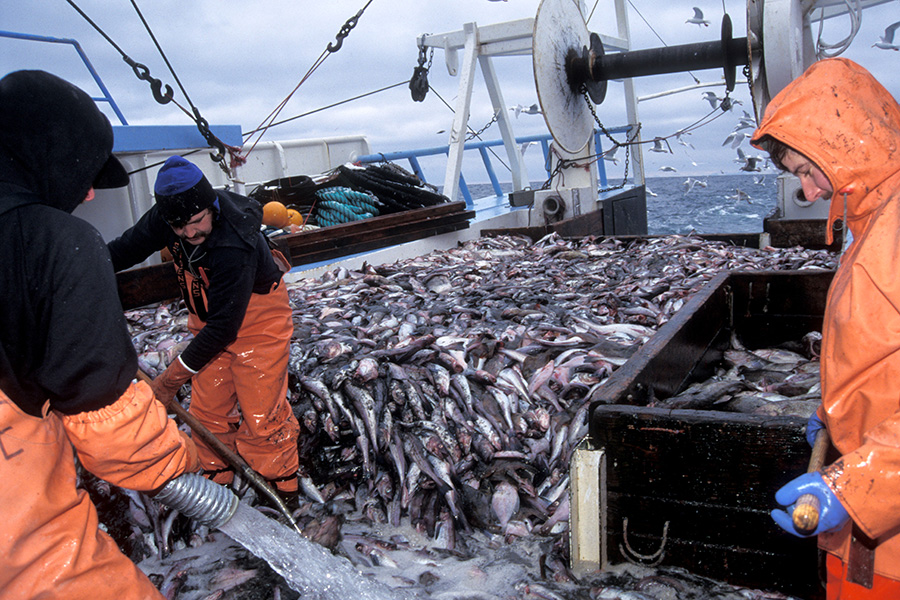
(54, 141)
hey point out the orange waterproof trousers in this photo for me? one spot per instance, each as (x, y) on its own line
(838, 588)
(49, 540)
(241, 395)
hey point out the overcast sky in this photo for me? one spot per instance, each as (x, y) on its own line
(238, 60)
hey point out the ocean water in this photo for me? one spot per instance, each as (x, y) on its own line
(713, 204)
(706, 204)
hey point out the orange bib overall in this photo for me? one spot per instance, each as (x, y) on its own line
(241, 395)
(50, 540)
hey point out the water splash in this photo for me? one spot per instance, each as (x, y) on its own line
(307, 567)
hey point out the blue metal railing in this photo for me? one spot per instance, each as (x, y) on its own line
(106, 97)
(412, 156)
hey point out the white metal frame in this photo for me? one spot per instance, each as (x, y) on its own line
(512, 38)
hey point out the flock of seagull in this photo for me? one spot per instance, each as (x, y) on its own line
(886, 42)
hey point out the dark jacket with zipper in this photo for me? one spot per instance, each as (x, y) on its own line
(216, 277)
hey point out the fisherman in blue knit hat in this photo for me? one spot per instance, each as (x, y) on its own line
(231, 282)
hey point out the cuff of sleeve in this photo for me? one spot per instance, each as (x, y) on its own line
(184, 364)
(131, 443)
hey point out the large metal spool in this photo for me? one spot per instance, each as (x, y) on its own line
(569, 59)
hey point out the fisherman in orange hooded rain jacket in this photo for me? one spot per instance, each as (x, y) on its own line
(838, 130)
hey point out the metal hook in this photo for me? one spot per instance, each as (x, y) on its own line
(143, 73)
(648, 560)
(344, 32)
(203, 126)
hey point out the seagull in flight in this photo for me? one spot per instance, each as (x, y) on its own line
(751, 163)
(740, 195)
(698, 19)
(712, 99)
(887, 40)
(681, 141)
(658, 146)
(610, 155)
(671, 169)
(746, 122)
(735, 138)
(690, 182)
(534, 109)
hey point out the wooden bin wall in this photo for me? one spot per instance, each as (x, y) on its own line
(700, 484)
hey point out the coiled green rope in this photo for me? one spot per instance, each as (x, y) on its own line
(339, 205)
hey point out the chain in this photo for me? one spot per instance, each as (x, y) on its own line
(478, 133)
(628, 143)
(590, 106)
(748, 73)
(422, 52)
(418, 83)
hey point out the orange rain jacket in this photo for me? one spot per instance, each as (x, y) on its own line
(844, 121)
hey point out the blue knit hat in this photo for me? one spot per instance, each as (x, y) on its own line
(182, 191)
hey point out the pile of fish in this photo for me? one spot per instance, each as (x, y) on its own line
(779, 381)
(445, 393)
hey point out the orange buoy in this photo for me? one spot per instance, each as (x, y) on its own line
(294, 217)
(275, 214)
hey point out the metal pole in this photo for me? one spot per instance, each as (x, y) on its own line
(671, 59)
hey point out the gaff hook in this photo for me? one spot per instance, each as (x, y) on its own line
(143, 73)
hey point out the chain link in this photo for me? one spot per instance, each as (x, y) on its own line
(628, 143)
(476, 134)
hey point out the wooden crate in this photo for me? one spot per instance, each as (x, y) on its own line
(694, 488)
(376, 232)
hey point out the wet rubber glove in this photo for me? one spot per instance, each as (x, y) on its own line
(170, 381)
(812, 428)
(832, 514)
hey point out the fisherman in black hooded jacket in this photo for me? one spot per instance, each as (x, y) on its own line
(67, 365)
(240, 313)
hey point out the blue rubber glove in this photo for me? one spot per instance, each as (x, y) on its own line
(832, 514)
(812, 428)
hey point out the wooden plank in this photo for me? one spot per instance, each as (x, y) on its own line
(698, 455)
(585, 542)
(342, 245)
(147, 285)
(400, 219)
(659, 368)
(373, 233)
(337, 248)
